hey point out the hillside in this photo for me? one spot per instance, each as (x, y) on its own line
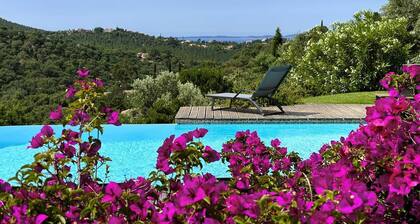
(121, 39)
(36, 65)
(16, 26)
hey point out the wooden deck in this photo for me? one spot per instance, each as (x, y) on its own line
(295, 113)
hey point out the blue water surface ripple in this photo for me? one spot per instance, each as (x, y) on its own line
(132, 148)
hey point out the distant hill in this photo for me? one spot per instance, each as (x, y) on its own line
(37, 65)
(16, 26)
(130, 41)
(235, 39)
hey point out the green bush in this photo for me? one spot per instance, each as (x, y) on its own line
(353, 56)
(206, 78)
(148, 90)
(189, 94)
(156, 100)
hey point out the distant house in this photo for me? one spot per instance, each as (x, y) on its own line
(185, 41)
(108, 30)
(198, 45)
(143, 56)
(229, 47)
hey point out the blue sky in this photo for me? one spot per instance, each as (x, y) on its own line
(184, 17)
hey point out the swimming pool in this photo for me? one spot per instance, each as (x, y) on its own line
(132, 148)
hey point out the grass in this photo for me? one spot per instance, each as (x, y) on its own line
(344, 98)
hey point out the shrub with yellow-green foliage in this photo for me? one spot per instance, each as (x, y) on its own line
(353, 55)
(157, 99)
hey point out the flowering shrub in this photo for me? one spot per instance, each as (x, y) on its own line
(352, 56)
(370, 176)
(404, 83)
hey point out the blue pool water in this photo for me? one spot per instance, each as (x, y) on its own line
(132, 148)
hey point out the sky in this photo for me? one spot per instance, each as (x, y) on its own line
(185, 17)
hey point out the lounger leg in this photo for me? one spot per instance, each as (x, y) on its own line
(230, 104)
(260, 111)
(277, 104)
(281, 109)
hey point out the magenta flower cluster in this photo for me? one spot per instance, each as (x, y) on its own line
(402, 84)
(370, 176)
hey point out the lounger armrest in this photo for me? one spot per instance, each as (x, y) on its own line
(241, 91)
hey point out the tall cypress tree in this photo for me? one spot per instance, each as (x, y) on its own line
(277, 41)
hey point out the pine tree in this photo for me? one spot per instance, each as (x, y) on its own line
(277, 41)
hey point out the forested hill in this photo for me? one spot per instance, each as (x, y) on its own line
(138, 42)
(16, 26)
(36, 65)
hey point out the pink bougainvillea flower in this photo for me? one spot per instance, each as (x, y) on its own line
(115, 220)
(70, 92)
(79, 117)
(5, 187)
(112, 192)
(208, 220)
(98, 82)
(413, 70)
(199, 132)
(191, 192)
(47, 130)
(349, 203)
(386, 81)
(59, 156)
(164, 153)
(393, 92)
(415, 209)
(275, 143)
(112, 118)
(284, 199)
(40, 218)
(210, 155)
(243, 182)
(83, 72)
(70, 136)
(37, 141)
(94, 148)
(180, 143)
(321, 218)
(73, 213)
(57, 114)
(141, 208)
(401, 185)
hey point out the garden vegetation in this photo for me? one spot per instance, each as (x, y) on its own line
(370, 176)
(343, 58)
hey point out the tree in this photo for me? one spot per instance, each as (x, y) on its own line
(409, 9)
(98, 30)
(206, 78)
(277, 41)
(353, 56)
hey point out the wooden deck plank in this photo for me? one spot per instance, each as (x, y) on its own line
(359, 109)
(209, 113)
(217, 114)
(194, 113)
(201, 114)
(233, 114)
(343, 111)
(294, 113)
(183, 112)
(225, 115)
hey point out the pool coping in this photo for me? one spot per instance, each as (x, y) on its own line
(270, 121)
